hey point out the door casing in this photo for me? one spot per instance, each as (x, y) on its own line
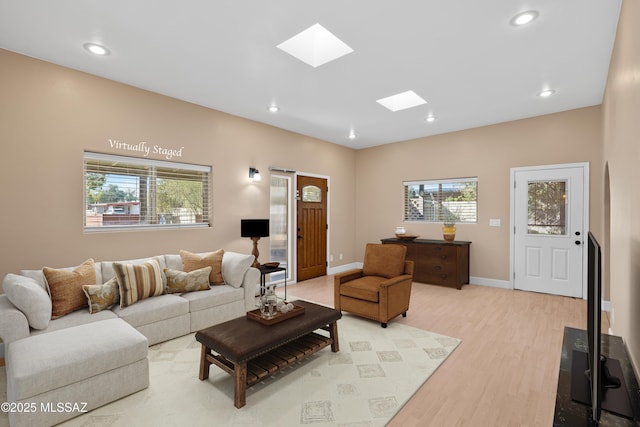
(295, 220)
(585, 212)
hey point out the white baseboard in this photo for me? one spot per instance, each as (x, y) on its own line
(345, 267)
(494, 283)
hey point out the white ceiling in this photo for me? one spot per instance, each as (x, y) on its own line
(462, 56)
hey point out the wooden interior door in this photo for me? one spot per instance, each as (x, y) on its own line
(311, 227)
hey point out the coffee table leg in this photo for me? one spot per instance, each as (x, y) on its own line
(240, 377)
(333, 333)
(204, 363)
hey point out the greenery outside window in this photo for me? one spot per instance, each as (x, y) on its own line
(128, 193)
(449, 200)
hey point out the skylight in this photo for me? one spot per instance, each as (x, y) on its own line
(402, 101)
(315, 46)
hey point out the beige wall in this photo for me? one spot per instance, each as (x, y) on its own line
(488, 153)
(621, 108)
(49, 115)
(52, 114)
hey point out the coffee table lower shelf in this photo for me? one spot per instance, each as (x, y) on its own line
(253, 371)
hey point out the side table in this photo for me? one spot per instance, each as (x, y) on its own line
(264, 270)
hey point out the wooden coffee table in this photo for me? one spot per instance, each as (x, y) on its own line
(250, 351)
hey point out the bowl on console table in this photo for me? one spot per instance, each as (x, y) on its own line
(406, 236)
(271, 264)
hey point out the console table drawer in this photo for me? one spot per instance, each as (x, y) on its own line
(437, 251)
(436, 261)
(439, 277)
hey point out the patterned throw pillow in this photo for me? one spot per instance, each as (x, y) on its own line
(182, 281)
(191, 261)
(138, 281)
(65, 287)
(102, 297)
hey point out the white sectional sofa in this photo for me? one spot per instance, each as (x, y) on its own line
(95, 358)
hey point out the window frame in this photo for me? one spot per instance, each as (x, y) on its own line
(440, 198)
(152, 170)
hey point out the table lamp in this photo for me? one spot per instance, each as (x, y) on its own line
(255, 229)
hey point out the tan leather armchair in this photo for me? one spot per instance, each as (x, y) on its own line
(381, 289)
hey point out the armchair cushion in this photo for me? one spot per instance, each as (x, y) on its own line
(384, 260)
(365, 288)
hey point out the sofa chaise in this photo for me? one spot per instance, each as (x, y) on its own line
(84, 350)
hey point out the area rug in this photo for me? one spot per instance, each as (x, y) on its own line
(373, 375)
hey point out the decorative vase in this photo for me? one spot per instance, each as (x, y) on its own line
(449, 233)
(268, 303)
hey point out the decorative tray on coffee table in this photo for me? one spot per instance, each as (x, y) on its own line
(277, 318)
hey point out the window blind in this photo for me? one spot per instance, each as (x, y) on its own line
(128, 192)
(441, 200)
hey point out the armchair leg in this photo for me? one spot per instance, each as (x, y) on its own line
(404, 314)
(384, 324)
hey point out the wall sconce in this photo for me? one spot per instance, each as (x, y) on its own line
(254, 174)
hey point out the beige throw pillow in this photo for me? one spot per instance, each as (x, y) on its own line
(181, 281)
(65, 287)
(137, 282)
(102, 297)
(191, 262)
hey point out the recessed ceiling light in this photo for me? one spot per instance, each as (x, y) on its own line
(402, 101)
(352, 134)
(96, 49)
(546, 93)
(273, 108)
(430, 118)
(524, 18)
(315, 46)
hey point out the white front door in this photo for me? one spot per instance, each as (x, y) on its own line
(550, 219)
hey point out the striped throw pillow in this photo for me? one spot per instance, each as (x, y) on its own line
(137, 282)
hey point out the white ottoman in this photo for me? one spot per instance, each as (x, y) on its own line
(58, 375)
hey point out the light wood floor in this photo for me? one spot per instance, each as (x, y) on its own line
(505, 371)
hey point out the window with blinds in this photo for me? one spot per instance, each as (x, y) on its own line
(127, 192)
(446, 201)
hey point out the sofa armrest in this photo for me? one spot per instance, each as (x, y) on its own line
(249, 284)
(13, 323)
(339, 279)
(347, 276)
(408, 268)
(398, 280)
(395, 297)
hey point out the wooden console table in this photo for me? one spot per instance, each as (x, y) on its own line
(437, 262)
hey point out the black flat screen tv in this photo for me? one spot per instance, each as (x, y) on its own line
(597, 380)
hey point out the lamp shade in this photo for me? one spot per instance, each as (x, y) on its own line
(254, 227)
